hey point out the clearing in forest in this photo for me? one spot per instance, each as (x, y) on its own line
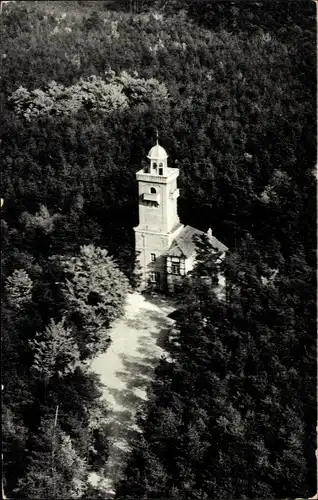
(126, 370)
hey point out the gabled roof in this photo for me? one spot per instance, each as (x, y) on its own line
(184, 246)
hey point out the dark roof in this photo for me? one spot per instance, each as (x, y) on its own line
(184, 246)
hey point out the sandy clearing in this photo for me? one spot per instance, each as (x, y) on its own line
(126, 370)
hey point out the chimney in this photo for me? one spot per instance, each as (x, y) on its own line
(209, 233)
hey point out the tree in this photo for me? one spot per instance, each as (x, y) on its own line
(94, 291)
(230, 401)
(55, 470)
(41, 220)
(55, 351)
(96, 94)
(18, 288)
(37, 231)
(14, 439)
(140, 90)
(56, 99)
(231, 90)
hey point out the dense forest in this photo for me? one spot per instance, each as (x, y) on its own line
(231, 88)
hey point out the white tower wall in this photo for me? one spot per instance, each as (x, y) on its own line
(159, 223)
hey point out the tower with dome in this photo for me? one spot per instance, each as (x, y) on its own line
(164, 246)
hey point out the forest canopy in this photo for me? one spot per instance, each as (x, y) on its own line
(230, 86)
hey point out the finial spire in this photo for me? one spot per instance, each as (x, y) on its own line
(157, 136)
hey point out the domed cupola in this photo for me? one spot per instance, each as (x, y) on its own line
(158, 160)
(158, 153)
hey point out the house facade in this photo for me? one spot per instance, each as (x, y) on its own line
(165, 247)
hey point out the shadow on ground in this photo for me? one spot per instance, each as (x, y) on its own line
(144, 320)
(155, 325)
(137, 372)
(161, 301)
(150, 327)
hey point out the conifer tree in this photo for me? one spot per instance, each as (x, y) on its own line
(55, 351)
(54, 467)
(18, 288)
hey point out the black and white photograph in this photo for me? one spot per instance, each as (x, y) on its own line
(158, 249)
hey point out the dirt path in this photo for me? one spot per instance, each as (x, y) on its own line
(126, 370)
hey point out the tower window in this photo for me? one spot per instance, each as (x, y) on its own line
(153, 190)
(160, 171)
(154, 165)
(153, 257)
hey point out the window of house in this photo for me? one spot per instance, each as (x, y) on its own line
(160, 168)
(154, 166)
(153, 190)
(153, 257)
(155, 277)
(175, 267)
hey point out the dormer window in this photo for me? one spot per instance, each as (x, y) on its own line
(153, 190)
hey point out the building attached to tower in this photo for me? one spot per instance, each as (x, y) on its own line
(165, 247)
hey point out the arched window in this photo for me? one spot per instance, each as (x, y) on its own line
(160, 168)
(160, 165)
(153, 190)
(154, 165)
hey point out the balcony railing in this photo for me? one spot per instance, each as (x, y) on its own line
(163, 179)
